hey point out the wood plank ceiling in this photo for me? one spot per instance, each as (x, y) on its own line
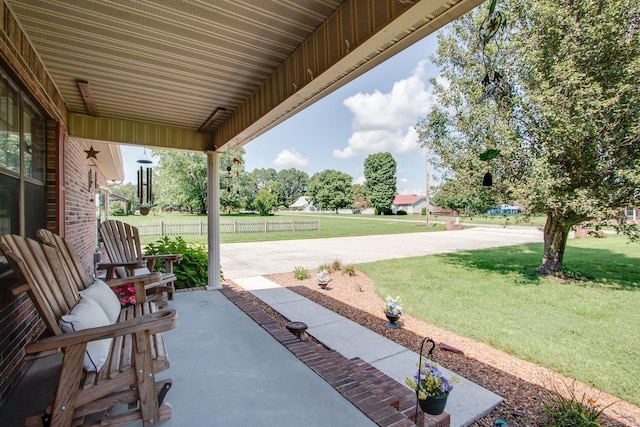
(223, 70)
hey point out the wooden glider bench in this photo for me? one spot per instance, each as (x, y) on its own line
(122, 243)
(145, 287)
(123, 389)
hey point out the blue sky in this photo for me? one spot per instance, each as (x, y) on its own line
(375, 113)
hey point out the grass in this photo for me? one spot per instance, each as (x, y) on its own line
(330, 226)
(586, 329)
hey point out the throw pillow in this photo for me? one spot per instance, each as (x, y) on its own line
(84, 315)
(105, 297)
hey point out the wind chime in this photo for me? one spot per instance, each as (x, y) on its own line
(236, 162)
(494, 82)
(92, 181)
(145, 183)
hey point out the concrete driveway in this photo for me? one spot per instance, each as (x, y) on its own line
(260, 258)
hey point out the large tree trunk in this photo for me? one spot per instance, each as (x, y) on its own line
(555, 240)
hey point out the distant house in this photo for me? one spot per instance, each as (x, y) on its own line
(304, 204)
(633, 214)
(410, 203)
(505, 210)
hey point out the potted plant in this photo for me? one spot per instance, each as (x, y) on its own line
(431, 386)
(393, 311)
(323, 278)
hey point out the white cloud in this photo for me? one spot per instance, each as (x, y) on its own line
(360, 180)
(384, 121)
(290, 159)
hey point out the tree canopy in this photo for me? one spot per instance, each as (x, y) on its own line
(380, 185)
(294, 184)
(556, 96)
(331, 189)
(181, 180)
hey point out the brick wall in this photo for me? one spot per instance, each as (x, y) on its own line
(20, 324)
(79, 206)
(68, 207)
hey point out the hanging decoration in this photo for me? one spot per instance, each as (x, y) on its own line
(145, 183)
(487, 156)
(493, 81)
(91, 153)
(230, 173)
(92, 174)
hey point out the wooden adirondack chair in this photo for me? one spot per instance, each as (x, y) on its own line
(145, 286)
(124, 389)
(122, 242)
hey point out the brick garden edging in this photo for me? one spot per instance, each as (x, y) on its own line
(378, 396)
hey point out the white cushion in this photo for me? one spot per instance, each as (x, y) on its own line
(84, 315)
(105, 297)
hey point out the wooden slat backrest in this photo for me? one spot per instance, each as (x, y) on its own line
(121, 240)
(74, 266)
(52, 293)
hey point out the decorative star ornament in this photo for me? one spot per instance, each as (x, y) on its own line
(91, 153)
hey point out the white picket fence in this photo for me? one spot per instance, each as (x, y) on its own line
(199, 227)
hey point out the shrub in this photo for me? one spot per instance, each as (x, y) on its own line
(401, 212)
(336, 264)
(300, 273)
(326, 267)
(564, 408)
(350, 269)
(115, 209)
(191, 272)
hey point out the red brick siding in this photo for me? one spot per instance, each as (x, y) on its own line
(79, 208)
(20, 324)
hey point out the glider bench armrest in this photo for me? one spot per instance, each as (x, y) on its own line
(153, 323)
(111, 266)
(168, 260)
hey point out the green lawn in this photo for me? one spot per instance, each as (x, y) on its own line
(585, 329)
(330, 226)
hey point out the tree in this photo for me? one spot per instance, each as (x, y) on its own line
(380, 186)
(559, 105)
(360, 197)
(331, 189)
(265, 201)
(181, 180)
(465, 197)
(256, 180)
(294, 184)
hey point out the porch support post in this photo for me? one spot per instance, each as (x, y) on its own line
(213, 215)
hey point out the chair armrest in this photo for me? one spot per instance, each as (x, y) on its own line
(168, 260)
(153, 323)
(127, 264)
(111, 266)
(143, 278)
(171, 257)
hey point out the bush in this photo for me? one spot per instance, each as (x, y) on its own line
(192, 271)
(325, 266)
(336, 265)
(350, 269)
(300, 273)
(115, 209)
(401, 212)
(565, 409)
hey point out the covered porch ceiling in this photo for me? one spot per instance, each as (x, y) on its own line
(208, 75)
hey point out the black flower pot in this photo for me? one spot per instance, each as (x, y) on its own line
(392, 321)
(433, 405)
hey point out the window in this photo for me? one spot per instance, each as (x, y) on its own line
(22, 164)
